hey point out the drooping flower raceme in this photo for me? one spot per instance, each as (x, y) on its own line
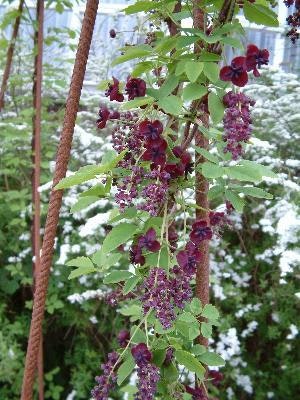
(147, 372)
(237, 122)
(107, 380)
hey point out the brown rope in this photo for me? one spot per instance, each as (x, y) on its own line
(36, 161)
(10, 53)
(62, 159)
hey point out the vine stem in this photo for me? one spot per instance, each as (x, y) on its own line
(201, 188)
(10, 53)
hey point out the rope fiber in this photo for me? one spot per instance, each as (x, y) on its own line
(62, 159)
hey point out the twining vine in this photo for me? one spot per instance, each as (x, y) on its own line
(180, 128)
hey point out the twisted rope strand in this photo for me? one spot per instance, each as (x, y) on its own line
(62, 159)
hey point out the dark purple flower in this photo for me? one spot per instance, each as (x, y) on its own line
(175, 169)
(184, 156)
(217, 218)
(216, 377)
(136, 256)
(115, 115)
(104, 116)
(229, 207)
(172, 237)
(113, 91)
(198, 393)
(169, 356)
(107, 380)
(156, 152)
(200, 232)
(151, 130)
(112, 33)
(135, 87)
(141, 354)
(255, 58)
(149, 241)
(235, 72)
(123, 337)
(189, 258)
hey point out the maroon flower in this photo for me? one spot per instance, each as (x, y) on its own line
(149, 241)
(185, 158)
(151, 130)
(156, 152)
(229, 207)
(136, 256)
(175, 170)
(189, 258)
(197, 393)
(255, 58)
(135, 87)
(235, 72)
(113, 91)
(115, 115)
(104, 115)
(123, 337)
(200, 232)
(141, 354)
(112, 33)
(216, 377)
(169, 356)
(217, 218)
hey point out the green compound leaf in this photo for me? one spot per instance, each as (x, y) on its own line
(193, 69)
(211, 71)
(216, 108)
(260, 14)
(193, 91)
(190, 362)
(118, 235)
(125, 369)
(211, 359)
(210, 312)
(210, 170)
(117, 276)
(252, 191)
(171, 104)
(237, 202)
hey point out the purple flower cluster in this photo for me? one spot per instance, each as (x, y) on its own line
(107, 380)
(293, 20)
(127, 188)
(155, 195)
(237, 122)
(114, 297)
(148, 373)
(135, 87)
(163, 293)
(158, 296)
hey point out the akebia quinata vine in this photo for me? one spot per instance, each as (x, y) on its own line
(179, 85)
